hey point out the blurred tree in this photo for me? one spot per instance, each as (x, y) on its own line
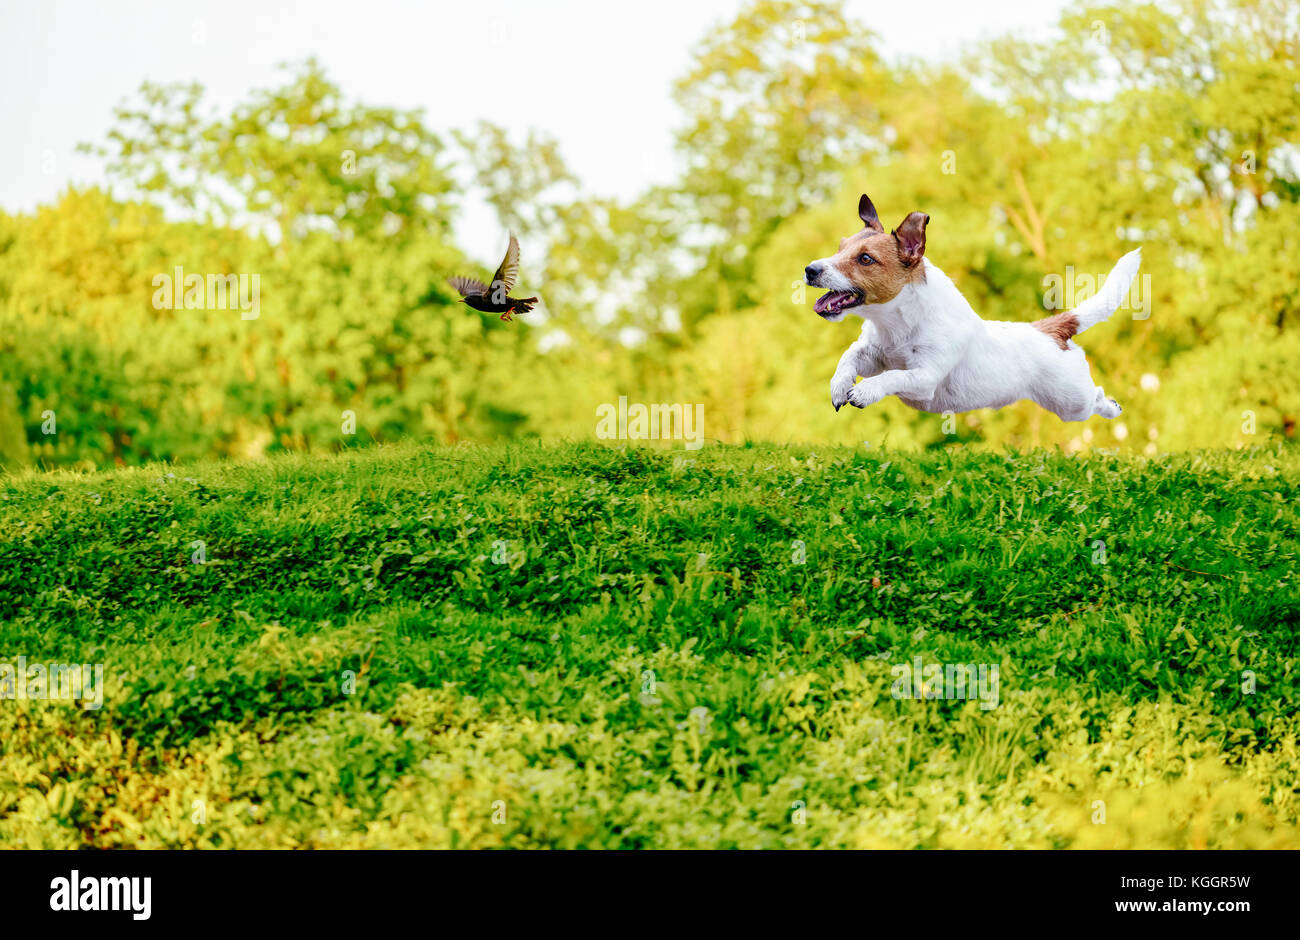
(523, 183)
(1168, 124)
(14, 452)
(289, 160)
(776, 104)
(358, 337)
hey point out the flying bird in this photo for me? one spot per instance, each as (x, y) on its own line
(496, 299)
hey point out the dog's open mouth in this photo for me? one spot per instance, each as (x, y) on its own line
(836, 300)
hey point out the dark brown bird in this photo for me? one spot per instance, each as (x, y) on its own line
(496, 299)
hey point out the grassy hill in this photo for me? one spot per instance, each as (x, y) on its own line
(586, 646)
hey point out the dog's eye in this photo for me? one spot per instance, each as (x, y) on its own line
(865, 258)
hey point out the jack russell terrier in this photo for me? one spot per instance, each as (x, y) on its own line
(922, 341)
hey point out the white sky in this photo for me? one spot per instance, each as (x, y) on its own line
(596, 74)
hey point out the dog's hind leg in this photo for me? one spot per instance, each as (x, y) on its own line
(1071, 404)
(1064, 387)
(1106, 407)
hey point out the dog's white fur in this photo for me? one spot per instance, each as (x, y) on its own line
(928, 347)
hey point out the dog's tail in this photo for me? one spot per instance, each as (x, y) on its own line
(1060, 327)
(1106, 301)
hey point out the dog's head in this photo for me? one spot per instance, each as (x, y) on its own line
(871, 267)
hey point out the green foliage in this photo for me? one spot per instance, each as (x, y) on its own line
(297, 158)
(533, 632)
(356, 325)
(14, 451)
(522, 183)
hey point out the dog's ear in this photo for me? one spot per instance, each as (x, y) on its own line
(867, 213)
(910, 238)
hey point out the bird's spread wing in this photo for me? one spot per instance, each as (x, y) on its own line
(467, 286)
(509, 270)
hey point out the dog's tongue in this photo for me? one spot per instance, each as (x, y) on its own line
(831, 301)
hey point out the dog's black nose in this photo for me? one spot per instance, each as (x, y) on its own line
(812, 272)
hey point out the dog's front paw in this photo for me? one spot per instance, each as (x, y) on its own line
(840, 389)
(862, 395)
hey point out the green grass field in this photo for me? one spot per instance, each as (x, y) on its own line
(583, 646)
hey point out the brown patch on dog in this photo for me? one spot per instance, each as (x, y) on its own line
(880, 264)
(1059, 326)
(880, 280)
